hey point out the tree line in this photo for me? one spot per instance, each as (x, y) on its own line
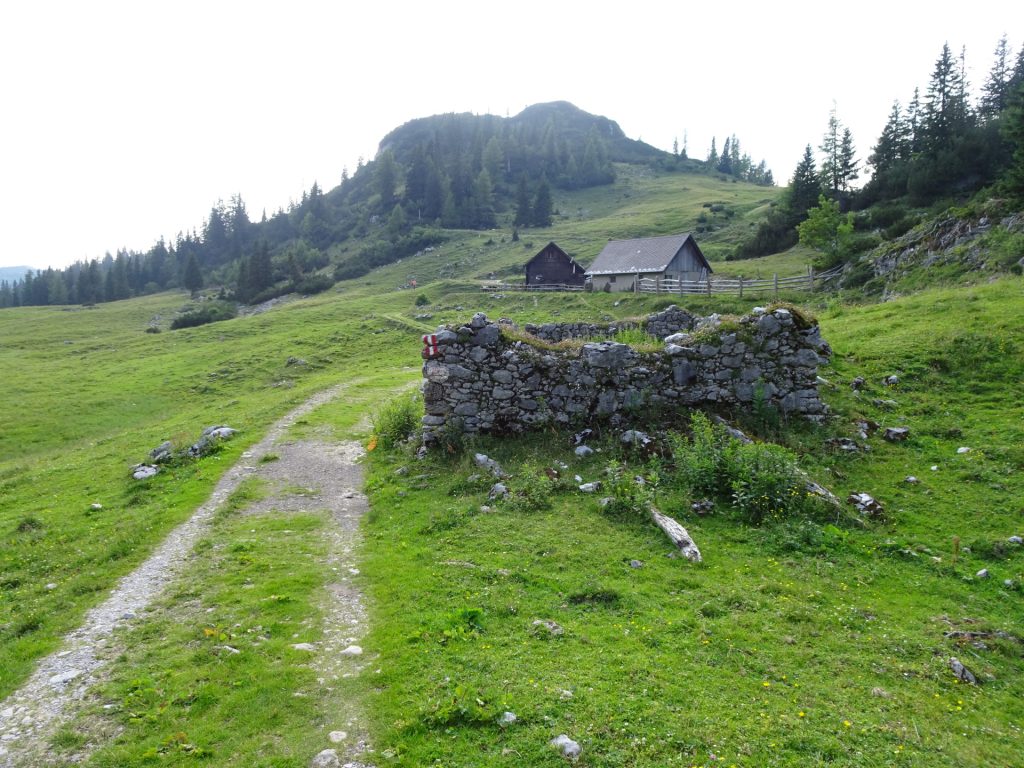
(944, 145)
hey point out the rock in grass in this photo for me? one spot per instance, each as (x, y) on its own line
(498, 491)
(963, 674)
(336, 737)
(352, 650)
(144, 471)
(590, 487)
(982, 574)
(163, 452)
(304, 646)
(486, 462)
(865, 503)
(547, 627)
(583, 451)
(1016, 540)
(896, 434)
(328, 758)
(506, 719)
(566, 746)
(96, 506)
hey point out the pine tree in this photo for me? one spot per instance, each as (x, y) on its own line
(542, 205)
(831, 167)
(1012, 128)
(994, 93)
(712, 159)
(805, 187)
(524, 209)
(725, 161)
(193, 277)
(847, 161)
(945, 108)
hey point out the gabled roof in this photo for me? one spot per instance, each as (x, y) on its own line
(552, 244)
(645, 254)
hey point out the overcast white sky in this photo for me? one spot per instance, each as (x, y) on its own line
(124, 121)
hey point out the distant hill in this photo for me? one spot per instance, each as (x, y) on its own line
(10, 274)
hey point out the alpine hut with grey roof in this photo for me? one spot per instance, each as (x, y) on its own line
(622, 263)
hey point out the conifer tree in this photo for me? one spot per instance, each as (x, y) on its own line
(805, 186)
(524, 209)
(995, 93)
(542, 205)
(193, 277)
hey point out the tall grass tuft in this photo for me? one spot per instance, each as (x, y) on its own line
(396, 420)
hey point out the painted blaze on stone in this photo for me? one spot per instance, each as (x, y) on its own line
(493, 384)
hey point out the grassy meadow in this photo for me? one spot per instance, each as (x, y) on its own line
(797, 642)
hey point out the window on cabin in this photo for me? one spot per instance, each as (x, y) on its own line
(611, 278)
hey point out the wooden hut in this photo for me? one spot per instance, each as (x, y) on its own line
(553, 267)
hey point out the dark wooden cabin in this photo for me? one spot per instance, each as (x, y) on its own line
(553, 266)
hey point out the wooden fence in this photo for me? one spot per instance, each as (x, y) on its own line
(736, 286)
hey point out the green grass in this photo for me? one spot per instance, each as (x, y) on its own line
(795, 643)
(666, 663)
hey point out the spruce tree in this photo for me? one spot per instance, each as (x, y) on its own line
(524, 210)
(805, 186)
(542, 205)
(994, 93)
(193, 277)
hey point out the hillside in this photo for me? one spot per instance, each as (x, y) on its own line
(808, 596)
(803, 638)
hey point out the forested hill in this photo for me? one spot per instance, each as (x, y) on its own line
(452, 171)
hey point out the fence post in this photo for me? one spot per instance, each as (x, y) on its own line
(775, 284)
(741, 286)
(810, 278)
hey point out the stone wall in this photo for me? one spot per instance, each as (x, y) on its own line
(658, 325)
(483, 380)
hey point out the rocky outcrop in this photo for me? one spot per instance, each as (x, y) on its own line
(482, 380)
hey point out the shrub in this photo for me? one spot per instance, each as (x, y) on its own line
(422, 300)
(629, 494)
(699, 459)
(396, 420)
(313, 284)
(212, 312)
(764, 482)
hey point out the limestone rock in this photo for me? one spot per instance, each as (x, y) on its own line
(506, 719)
(486, 462)
(328, 758)
(865, 504)
(963, 674)
(896, 434)
(548, 627)
(144, 471)
(566, 746)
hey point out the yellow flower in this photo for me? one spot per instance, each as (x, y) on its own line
(801, 714)
(847, 723)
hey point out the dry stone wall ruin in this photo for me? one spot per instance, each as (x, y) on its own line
(482, 377)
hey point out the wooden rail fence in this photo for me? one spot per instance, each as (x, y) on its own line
(737, 286)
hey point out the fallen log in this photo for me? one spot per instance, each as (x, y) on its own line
(679, 535)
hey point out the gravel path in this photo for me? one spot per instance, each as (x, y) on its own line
(30, 716)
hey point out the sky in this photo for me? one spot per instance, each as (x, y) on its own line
(121, 122)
